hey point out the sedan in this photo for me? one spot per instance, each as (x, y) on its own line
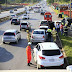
(38, 35)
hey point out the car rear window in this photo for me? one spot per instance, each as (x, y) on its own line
(38, 32)
(9, 34)
(44, 28)
(14, 19)
(12, 15)
(44, 22)
(51, 52)
(23, 23)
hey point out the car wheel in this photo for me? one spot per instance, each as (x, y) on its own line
(3, 42)
(28, 18)
(11, 23)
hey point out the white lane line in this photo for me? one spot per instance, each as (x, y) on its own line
(1, 43)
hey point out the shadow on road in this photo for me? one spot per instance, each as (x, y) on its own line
(5, 55)
(22, 43)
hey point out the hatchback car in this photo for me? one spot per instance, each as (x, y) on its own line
(25, 25)
(38, 35)
(15, 9)
(11, 11)
(15, 21)
(11, 35)
(44, 23)
(25, 16)
(48, 54)
(12, 16)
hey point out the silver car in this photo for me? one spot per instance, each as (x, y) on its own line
(25, 25)
(11, 35)
(38, 35)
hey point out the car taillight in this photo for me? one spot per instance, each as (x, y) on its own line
(20, 25)
(32, 36)
(41, 57)
(14, 34)
(27, 25)
(61, 56)
(43, 36)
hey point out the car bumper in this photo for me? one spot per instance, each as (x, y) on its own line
(49, 64)
(9, 40)
(14, 23)
(37, 40)
(24, 28)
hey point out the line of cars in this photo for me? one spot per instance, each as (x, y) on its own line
(13, 35)
(45, 54)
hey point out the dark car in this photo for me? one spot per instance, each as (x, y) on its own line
(15, 21)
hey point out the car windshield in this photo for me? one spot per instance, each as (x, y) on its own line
(9, 34)
(14, 19)
(44, 22)
(23, 23)
(50, 52)
(38, 32)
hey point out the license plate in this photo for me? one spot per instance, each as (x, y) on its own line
(51, 60)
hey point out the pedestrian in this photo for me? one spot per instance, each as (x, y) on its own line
(65, 29)
(58, 27)
(49, 34)
(61, 28)
(28, 53)
(54, 33)
(28, 35)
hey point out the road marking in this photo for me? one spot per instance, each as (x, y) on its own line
(1, 43)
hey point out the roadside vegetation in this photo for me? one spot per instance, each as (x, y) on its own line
(67, 45)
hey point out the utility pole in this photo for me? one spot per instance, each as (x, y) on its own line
(70, 8)
(58, 6)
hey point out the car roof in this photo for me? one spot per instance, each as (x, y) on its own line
(14, 18)
(43, 20)
(39, 30)
(57, 21)
(48, 46)
(43, 27)
(11, 30)
(22, 21)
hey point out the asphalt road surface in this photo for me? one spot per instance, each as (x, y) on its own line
(13, 56)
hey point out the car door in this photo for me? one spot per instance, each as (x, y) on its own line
(36, 49)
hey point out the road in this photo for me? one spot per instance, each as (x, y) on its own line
(13, 56)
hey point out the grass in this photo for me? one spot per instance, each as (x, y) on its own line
(67, 45)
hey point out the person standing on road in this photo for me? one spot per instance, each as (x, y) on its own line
(54, 33)
(49, 34)
(28, 35)
(61, 28)
(28, 53)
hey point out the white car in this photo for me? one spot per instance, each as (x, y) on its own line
(57, 22)
(13, 16)
(25, 16)
(38, 35)
(11, 35)
(25, 25)
(11, 11)
(43, 27)
(48, 54)
(27, 12)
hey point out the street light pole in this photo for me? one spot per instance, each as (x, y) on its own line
(70, 8)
